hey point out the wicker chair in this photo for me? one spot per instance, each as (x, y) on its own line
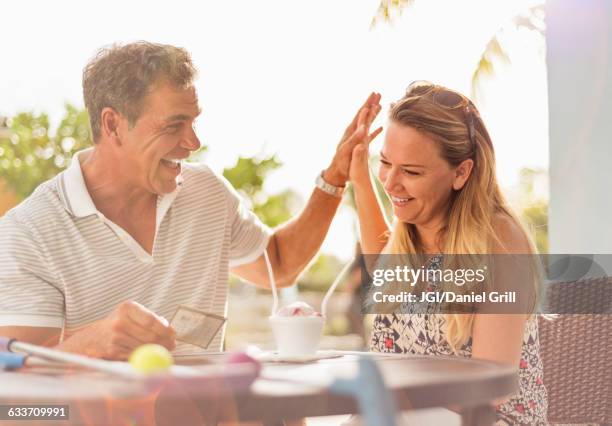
(576, 350)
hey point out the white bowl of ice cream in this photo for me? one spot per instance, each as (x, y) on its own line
(297, 329)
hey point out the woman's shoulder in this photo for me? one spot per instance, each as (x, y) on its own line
(510, 235)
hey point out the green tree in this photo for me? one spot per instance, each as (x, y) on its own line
(321, 273)
(533, 207)
(30, 154)
(248, 176)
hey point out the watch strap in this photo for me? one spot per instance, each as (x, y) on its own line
(328, 188)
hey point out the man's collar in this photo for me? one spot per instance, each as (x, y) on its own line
(76, 196)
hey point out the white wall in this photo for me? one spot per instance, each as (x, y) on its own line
(579, 55)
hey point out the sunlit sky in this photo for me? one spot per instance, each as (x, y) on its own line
(285, 78)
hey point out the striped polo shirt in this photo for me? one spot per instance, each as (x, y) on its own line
(63, 264)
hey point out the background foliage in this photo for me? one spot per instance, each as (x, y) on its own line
(30, 154)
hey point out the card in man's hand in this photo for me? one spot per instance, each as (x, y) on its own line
(196, 327)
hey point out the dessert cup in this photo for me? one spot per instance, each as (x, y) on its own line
(297, 335)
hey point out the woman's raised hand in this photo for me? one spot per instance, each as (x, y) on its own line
(356, 134)
(359, 170)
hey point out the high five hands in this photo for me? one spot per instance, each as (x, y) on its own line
(350, 161)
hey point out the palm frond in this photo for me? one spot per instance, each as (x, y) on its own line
(492, 56)
(495, 55)
(532, 19)
(388, 10)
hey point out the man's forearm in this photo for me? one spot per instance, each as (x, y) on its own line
(300, 239)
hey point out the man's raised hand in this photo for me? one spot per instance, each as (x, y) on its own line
(357, 132)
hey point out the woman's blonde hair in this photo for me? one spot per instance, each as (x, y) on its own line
(460, 134)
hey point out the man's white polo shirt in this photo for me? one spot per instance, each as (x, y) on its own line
(63, 264)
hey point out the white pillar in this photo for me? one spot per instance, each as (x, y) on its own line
(579, 56)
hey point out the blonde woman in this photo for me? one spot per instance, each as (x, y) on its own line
(437, 166)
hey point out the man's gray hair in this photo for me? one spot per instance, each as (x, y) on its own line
(121, 76)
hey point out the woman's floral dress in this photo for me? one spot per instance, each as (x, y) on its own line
(424, 334)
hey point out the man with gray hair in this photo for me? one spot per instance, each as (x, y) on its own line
(98, 257)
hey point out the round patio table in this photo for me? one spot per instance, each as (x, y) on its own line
(283, 391)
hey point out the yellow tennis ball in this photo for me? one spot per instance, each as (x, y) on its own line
(151, 358)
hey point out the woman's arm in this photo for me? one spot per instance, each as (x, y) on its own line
(499, 337)
(373, 226)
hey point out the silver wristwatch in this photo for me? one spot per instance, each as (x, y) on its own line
(327, 187)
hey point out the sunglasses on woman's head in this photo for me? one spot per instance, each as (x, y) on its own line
(448, 99)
